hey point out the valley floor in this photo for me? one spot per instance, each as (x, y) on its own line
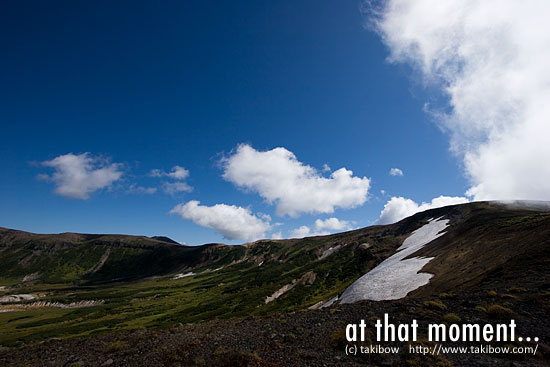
(305, 338)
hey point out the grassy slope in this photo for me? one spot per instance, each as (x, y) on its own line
(240, 287)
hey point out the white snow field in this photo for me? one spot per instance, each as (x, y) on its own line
(395, 277)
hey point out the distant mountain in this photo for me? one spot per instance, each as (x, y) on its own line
(79, 258)
(165, 239)
(483, 242)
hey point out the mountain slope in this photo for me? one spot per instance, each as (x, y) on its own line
(73, 257)
(486, 246)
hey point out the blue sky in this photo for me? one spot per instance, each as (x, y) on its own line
(149, 86)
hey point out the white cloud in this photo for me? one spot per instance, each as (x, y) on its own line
(232, 222)
(135, 189)
(300, 232)
(326, 168)
(175, 187)
(277, 235)
(491, 59)
(78, 176)
(321, 228)
(177, 173)
(332, 224)
(294, 187)
(398, 208)
(157, 173)
(396, 172)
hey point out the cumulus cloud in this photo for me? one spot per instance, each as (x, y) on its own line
(277, 235)
(77, 176)
(232, 222)
(321, 228)
(301, 232)
(490, 58)
(177, 173)
(396, 172)
(332, 224)
(398, 208)
(291, 185)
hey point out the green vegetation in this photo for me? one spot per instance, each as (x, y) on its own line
(452, 318)
(228, 282)
(116, 346)
(435, 305)
(480, 308)
(499, 312)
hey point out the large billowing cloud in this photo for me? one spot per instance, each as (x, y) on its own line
(399, 207)
(78, 176)
(293, 186)
(233, 222)
(490, 58)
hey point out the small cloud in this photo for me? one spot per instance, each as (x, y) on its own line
(396, 172)
(134, 189)
(300, 232)
(277, 235)
(173, 188)
(77, 176)
(332, 224)
(383, 192)
(322, 228)
(177, 173)
(326, 168)
(232, 222)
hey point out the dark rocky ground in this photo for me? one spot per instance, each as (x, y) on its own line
(307, 338)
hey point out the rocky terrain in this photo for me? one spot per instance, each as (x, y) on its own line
(304, 338)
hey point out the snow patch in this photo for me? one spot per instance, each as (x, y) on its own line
(306, 279)
(396, 276)
(13, 298)
(182, 275)
(329, 251)
(330, 302)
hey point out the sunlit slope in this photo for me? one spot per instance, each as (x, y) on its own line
(484, 246)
